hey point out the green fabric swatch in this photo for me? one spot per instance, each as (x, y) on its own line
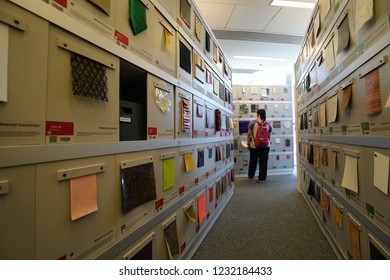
(137, 16)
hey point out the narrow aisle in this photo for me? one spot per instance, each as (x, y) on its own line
(269, 221)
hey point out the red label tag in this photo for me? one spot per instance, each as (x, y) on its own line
(59, 128)
(159, 203)
(63, 3)
(181, 190)
(152, 130)
(121, 38)
(196, 181)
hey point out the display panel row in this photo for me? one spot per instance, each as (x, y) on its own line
(261, 93)
(357, 105)
(360, 174)
(354, 237)
(88, 88)
(149, 29)
(96, 202)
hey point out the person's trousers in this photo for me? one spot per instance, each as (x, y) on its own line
(259, 155)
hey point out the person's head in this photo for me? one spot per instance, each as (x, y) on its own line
(261, 113)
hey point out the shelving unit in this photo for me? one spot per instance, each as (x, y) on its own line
(120, 171)
(277, 101)
(342, 96)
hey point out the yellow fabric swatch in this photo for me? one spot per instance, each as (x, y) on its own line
(168, 40)
(168, 173)
(189, 162)
(354, 238)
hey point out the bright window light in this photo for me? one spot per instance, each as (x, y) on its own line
(260, 58)
(293, 4)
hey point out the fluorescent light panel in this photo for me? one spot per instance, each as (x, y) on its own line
(293, 4)
(260, 58)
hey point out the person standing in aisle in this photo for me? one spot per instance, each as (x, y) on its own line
(258, 140)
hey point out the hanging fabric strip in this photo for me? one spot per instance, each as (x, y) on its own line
(137, 16)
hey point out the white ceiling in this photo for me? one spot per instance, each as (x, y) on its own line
(255, 28)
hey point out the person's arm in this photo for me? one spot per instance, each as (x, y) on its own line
(249, 137)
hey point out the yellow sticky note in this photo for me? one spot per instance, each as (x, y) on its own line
(168, 173)
(168, 40)
(189, 162)
(83, 196)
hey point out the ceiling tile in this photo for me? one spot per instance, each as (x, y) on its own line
(291, 21)
(251, 18)
(216, 15)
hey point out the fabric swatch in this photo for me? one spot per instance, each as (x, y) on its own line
(190, 213)
(381, 172)
(202, 207)
(198, 27)
(168, 40)
(208, 42)
(185, 12)
(137, 16)
(354, 239)
(347, 93)
(138, 186)
(89, 77)
(188, 162)
(200, 158)
(324, 157)
(325, 204)
(364, 12)
(83, 196)
(186, 115)
(218, 120)
(211, 194)
(350, 175)
(373, 93)
(332, 108)
(104, 5)
(338, 217)
(146, 253)
(168, 173)
(343, 35)
(172, 240)
(185, 58)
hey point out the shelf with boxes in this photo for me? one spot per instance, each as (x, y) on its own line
(343, 133)
(115, 102)
(277, 101)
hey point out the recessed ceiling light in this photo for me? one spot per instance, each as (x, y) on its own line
(293, 4)
(260, 58)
